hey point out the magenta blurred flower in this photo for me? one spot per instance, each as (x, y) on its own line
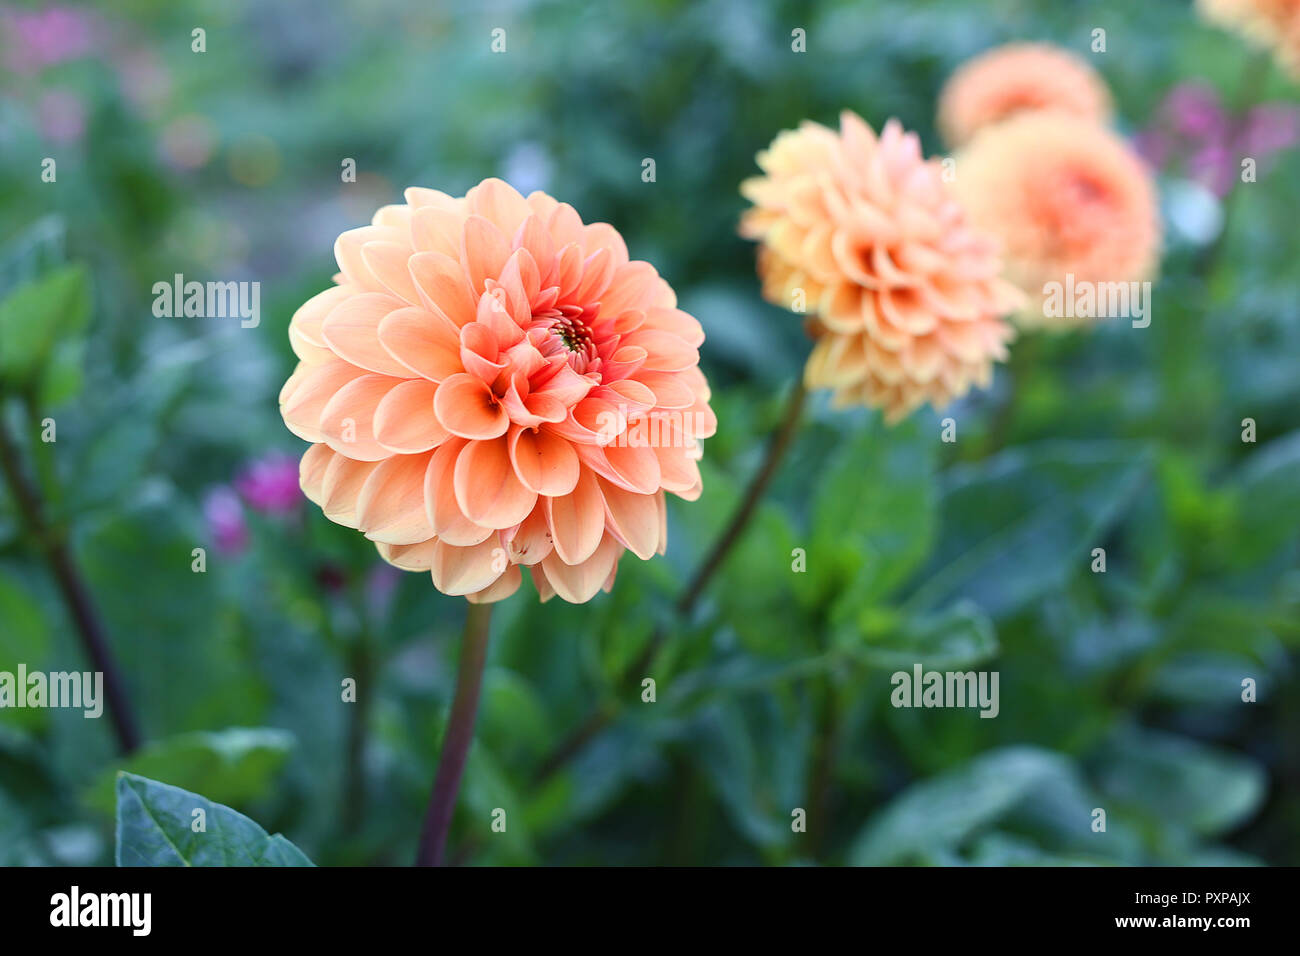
(35, 39)
(270, 484)
(1194, 135)
(225, 517)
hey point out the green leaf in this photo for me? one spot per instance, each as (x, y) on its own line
(1017, 526)
(39, 316)
(1181, 782)
(1268, 491)
(958, 637)
(233, 766)
(24, 639)
(941, 813)
(874, 513)
(155, 827)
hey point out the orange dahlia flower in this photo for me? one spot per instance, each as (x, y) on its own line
(1066, 197)
(904, 297)
(1271, 24)
(1016, 78)
(493, 384)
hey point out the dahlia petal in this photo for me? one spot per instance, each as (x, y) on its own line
(311, 314)
(443, 288)
(637, 467)
(466, 407)
(434, 229)
(390, 506)
(457, 570)
(629, 288)
(530, 542)
(633, 518)
(543, 461)
(341, 486)
(682, 324)
(577, 520)
(311, 472)
(408, 557)
(421, 342)
(347, 252)
(500, 589)
(309, 390)
(352, 331)
(579, 583)
(533, 235)
(487, 489)
(665, 352)
(678, 469)
(449, 522)
(388, 262)
(347, 420)
(597, 271)
(499, 203)
(484, 251)
(404, 420)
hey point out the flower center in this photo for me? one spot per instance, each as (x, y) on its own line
(573, 332)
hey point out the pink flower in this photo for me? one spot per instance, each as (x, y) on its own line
(270, 485)
(225, 517)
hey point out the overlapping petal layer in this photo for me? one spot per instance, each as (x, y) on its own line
(1068, 198)
(1271, 24)
(904, 298)
(1017, 78)
(493, 383)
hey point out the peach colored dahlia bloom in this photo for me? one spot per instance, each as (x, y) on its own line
(493, 384)
(904, 297)
(1271, 24)
(1065, 196)
(1016, 78)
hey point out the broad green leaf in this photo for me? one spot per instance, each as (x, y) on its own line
(1182, 782)
(234, 766)
(39, 316)
(942, 812)
(1018, 525)
(1269, 487)
(24, 639)
(874, 513)
(958, 637)
(156, 827)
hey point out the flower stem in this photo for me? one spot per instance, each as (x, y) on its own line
(53, 543)
(777, 446)
(601, 716)
(460, 732)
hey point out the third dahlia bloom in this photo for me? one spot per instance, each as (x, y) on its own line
(1066, 197)
(494, 384)
(904, 296)
(1017, 78)
(1272, 24)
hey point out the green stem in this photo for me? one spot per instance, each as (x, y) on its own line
(53, 543)
(459, 735)
(603, 715)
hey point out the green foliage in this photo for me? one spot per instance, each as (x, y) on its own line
(877, 548)
(156, 826)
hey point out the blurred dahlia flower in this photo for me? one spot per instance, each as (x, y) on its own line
(904, 296)
(493, 384)
(1016, 78)
(1271, 24)
(1067, 197)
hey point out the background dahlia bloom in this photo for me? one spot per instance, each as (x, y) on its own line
(1016, 78)
(1066, 197)
(1271, 24)
(904, 297)
(493, 384)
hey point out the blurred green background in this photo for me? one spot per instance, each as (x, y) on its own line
(1119, 690)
